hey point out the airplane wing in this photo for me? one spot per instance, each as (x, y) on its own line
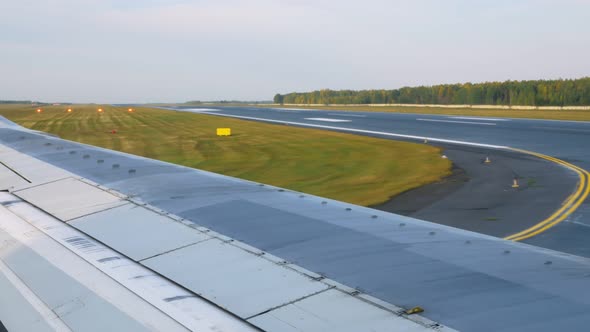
(94, 239)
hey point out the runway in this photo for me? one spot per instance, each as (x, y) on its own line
(547, 184)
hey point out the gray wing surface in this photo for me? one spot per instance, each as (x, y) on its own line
(245, 255)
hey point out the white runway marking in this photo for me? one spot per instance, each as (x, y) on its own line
(580, 223)
(282, 110)
(287, 110)
(463, 122)
(363, 131)
(327, 120)
(476, 118)
(349, 115)
(196, 110)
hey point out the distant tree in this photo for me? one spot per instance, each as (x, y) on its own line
(534, 93)
(325, 96)
(278, 99)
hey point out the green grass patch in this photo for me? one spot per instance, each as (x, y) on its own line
(532, 183)
(571, 115)
(350, 168)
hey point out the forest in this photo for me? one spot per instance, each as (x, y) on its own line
(15, 102)
(562, 92)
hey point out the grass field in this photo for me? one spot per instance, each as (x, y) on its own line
(570, 115)
(355, 169)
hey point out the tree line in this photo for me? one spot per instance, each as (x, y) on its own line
(15, 102)
(562, 92)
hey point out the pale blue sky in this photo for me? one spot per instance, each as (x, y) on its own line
(173, 51)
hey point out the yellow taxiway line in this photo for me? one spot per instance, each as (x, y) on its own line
(568, 206)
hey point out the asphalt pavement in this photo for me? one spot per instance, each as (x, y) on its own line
(544, 185)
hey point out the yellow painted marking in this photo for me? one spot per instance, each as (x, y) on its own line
(558, 220)
(569, 205)
(223, 131)
(565, 205)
